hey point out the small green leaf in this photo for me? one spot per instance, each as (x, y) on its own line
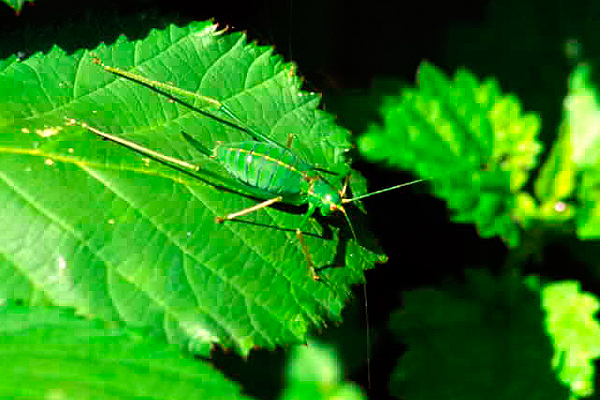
(472, 142)
(575, 332)
(582, 131)
(314, 373)
(583, 118)
(17, 5)
(126, 238)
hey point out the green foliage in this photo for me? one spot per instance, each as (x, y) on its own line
(120, 237)
(48, 353)
(480, 339)
(129, 239)
(469, 139)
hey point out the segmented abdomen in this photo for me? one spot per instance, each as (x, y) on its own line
(264, 166)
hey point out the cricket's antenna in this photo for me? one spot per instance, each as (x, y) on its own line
(175, 93)
(341, 208)
(368, 335)
(169, 89)
(344, 201)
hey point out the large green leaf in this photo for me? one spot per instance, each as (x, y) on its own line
(94, 225)
(483, 338)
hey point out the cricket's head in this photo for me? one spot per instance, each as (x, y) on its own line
(326, 198)
(329, 200)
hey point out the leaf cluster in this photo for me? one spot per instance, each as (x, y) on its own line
(479, 150)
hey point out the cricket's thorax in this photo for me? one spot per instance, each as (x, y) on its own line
(265, 166)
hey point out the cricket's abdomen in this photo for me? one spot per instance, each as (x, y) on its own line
(264, 166)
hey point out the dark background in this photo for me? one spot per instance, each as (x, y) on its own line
(354, 53)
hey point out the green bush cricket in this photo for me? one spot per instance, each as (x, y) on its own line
(273, 171)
